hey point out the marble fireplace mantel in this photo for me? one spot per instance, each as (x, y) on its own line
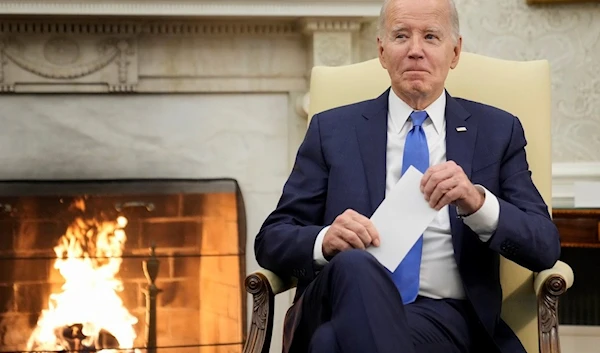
(176, 46)
(168, 47)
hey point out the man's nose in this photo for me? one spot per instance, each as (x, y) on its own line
(416, 48)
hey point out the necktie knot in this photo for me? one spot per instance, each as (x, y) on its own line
(418, 117)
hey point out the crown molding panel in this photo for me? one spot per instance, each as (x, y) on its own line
(193, 8)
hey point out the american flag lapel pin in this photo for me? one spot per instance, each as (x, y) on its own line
(461, 129)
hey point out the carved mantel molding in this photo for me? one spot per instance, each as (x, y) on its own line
(332, 41)
(107, 47)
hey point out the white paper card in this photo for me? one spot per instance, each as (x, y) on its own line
(401, 219)
(587, 194)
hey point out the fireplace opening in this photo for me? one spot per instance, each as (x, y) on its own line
(122, 266)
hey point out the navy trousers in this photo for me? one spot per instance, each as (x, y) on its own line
(353, 306)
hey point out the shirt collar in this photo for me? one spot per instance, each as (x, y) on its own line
(399, 111)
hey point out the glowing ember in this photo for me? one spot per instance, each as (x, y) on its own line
(88, 313)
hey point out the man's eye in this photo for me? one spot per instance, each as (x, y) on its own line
(430, 36)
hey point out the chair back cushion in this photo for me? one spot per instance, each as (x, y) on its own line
(521, 88)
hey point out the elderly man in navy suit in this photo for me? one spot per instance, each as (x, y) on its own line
(445, 296)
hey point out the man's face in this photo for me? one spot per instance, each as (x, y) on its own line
(417, 47)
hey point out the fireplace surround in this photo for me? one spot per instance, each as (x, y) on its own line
(151, 89)
(177, 89)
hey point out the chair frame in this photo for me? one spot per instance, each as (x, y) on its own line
(263, 285)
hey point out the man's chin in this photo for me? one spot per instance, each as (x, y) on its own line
(416, 88)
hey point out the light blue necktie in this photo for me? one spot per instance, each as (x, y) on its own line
(416, 153)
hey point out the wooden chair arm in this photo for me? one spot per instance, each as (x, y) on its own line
(263, 285)
(560, 270)
(549, 285)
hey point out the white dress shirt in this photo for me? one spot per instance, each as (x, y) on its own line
(439, 276)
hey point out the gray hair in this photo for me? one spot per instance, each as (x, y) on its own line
(453, 19)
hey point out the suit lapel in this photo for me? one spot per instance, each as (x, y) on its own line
(461, 134)
(371, 132)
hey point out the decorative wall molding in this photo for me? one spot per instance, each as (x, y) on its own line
(194, 8)
(332, 48)
(330, 25)
(157, 27)
(333, 42)
(86, 63)
(564, 176)
(61, 56)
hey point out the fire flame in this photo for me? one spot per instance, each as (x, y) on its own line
(88, 258)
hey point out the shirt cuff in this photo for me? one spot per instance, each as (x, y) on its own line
(485, 220)
(318, 256)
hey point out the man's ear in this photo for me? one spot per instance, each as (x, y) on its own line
(381, 52)
(457, 50)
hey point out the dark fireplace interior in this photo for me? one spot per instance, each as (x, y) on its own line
(72, 272)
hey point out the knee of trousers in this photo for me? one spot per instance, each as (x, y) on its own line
(324, 339)
(357, 265)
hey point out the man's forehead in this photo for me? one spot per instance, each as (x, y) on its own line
(414, 19)
(422, 26)
(415, 7)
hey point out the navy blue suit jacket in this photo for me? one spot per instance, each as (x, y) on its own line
(341, 164)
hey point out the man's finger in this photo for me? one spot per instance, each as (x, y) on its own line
(340, 245)
(440, 190)
(359, 229)
(367, 232)
(434, 180)
(351, 238)
(371, 230)
(430, 171)
(426, 177)
(375, 239)
(351, 213)
(447, 199)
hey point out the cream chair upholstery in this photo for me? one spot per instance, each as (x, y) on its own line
(522, 88)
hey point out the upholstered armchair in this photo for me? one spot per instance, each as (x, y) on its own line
(530, 300)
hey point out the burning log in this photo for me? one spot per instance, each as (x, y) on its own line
(73, 339)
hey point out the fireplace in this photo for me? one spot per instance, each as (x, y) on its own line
(77, 260)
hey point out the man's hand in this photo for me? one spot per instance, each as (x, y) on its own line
(447, 183)
(350, 230)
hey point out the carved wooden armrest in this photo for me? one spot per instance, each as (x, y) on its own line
(549, 285)
(263, 285)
